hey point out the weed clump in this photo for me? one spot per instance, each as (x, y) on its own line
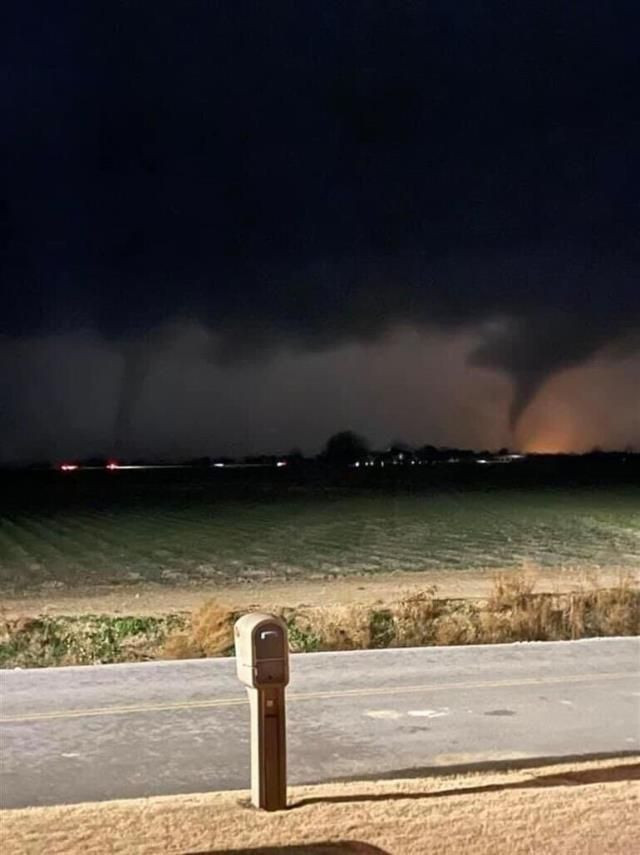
(382, 630)
(457, 627)
(210, 633)
(604, 611)
(330, 628)
(414, 619)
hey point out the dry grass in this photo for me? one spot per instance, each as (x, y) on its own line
(414, 618)
(512, 611)
(511, 590)
(210, 633)
(334, 628)
(591, 808)
(608, 611)
(456, 628)
(516, 613)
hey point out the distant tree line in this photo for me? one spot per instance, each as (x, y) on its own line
(348, 448)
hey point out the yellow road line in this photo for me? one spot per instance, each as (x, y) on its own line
(214, 703)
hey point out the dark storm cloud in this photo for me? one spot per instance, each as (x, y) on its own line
(304, 175)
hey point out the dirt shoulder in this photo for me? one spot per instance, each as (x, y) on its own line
(590, 807)
(149, 599)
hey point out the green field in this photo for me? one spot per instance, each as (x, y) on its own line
(84, 529)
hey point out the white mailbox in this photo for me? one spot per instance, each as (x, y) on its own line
(262, 651)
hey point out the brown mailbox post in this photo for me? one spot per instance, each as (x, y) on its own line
(262, 662)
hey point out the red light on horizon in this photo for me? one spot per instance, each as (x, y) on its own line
(113, 465)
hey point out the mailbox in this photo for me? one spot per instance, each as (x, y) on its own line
(262, 651)
(262, 661)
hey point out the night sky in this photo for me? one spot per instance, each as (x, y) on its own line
(229, 227)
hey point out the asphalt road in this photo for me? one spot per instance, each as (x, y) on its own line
(120, 731)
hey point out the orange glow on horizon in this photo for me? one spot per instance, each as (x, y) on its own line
(543, 447)
(550, 439)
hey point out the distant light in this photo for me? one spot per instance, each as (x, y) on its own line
(219, 465)
(68, 467)
(357, 464)
(482, 460)
(281, 463)
(112, 465)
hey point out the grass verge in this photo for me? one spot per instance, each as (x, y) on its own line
(564, 809)
(86, 640)
(514, 611)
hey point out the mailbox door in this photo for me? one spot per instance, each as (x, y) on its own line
(271, 653)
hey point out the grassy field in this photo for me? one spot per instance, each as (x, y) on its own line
(111, 528)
